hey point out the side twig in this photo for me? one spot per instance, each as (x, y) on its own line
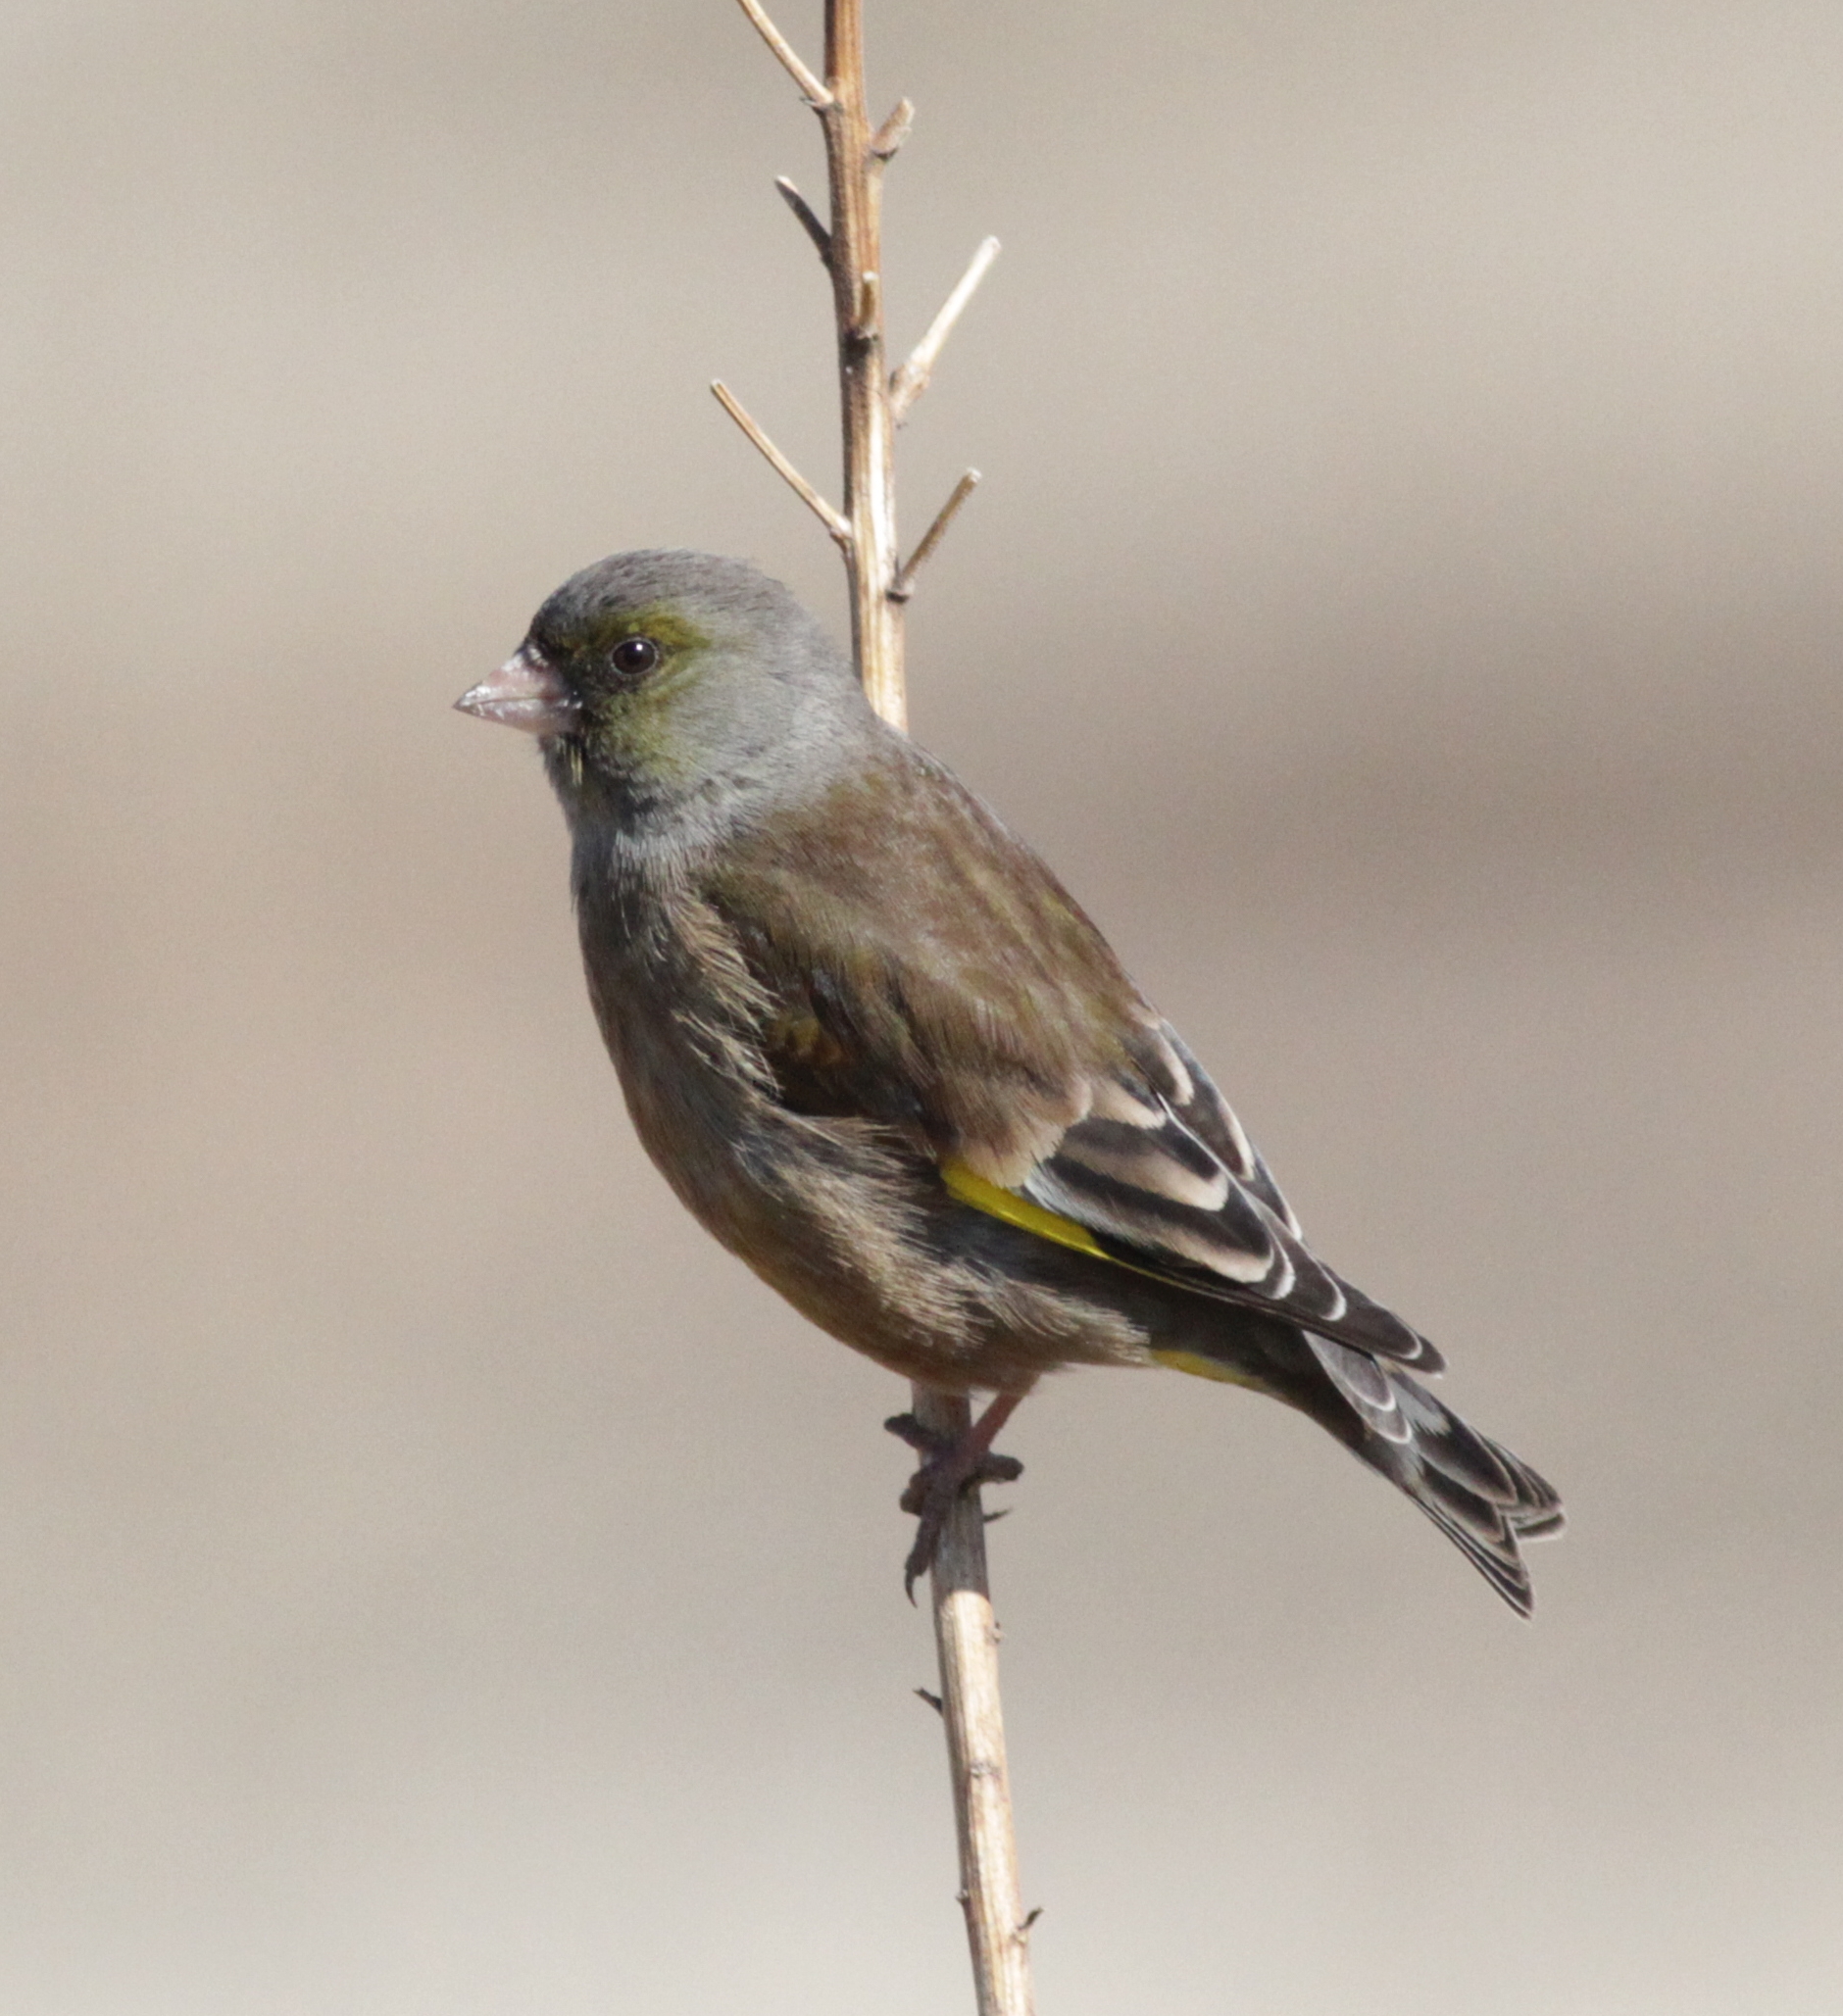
(912, 380)
(814, 93)
(809, 220)
(831, 520)
(872, 402)
(894, 131)
(904, 584)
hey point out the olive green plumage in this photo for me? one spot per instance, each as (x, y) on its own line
(885, 1058)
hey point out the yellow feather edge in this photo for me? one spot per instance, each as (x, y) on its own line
(1200, 1367)
(1017, 1210)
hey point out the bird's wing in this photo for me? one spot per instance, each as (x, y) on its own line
(1160, 1177)
(926, 970)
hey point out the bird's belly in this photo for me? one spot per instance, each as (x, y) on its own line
(844, 1218)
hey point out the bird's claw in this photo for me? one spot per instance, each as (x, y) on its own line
(950, 1466)
(907, 1428)
(924, 1485)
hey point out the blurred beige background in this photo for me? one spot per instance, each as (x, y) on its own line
(1405, 603)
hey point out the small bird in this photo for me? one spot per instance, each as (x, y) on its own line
(884, 1058)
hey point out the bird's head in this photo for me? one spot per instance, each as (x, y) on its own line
(659, 679)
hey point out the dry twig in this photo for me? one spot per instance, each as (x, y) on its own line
(908, 383)
(903, 586)
(873, 402)
(834, 523)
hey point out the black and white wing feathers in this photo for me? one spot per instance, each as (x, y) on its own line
(1161, 1173)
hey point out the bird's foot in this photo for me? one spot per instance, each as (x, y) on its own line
(950, 1465)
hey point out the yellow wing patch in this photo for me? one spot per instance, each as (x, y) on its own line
(1017, 1210)
(1020, 1212)
(1200, 1367)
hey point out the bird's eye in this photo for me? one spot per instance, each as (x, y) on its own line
(636, 654)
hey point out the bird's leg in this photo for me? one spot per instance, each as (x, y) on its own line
(950, 1465)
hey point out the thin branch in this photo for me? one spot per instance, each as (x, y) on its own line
(911, 382)
(853, 179)
(814, 93)
(903, 586)
(965, 1633)
(809, 220)
(894, 131)
(832, 520)
(871, 402)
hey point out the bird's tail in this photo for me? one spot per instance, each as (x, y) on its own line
(1479, 1495)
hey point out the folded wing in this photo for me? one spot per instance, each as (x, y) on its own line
(920, 967)
(1159, 1171)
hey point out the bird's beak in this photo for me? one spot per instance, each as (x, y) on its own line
(527, 692)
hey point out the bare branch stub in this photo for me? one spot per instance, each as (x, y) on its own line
(904, 586)
(809, 220)
(833, 521)
(894, 131)
(868, 326)
(811, 89)
(912, 380)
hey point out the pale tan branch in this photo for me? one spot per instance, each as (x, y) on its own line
(833, 521)
(903, 586)
(965, 1633)
(872, 401)
(814, 93)
(911, 382)
(809, 220)
(894, 131)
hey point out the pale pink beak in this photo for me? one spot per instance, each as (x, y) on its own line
(525, 693)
